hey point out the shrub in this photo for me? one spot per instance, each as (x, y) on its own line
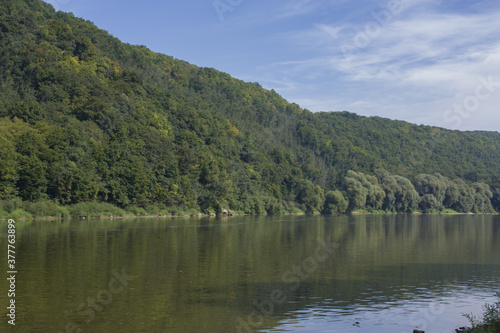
(491, 319)
(136, 211)
(20, 214)
(11, 205)
(46, 209)
(95, 209)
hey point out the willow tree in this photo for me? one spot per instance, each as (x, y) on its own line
(400, 195)
(482, 203)
(335, 202)
(363, 191)
(407, 199)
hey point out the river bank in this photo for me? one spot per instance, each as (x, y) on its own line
(50, 211)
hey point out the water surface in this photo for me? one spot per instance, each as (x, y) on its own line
(253, 274)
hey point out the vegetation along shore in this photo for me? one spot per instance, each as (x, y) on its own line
(91, 126)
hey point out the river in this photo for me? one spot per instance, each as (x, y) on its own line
(368, 273)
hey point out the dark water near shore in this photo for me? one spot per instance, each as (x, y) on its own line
(252, 274)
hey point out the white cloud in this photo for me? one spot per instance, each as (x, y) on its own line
(298, 7)
(333, 32)
(416, 66)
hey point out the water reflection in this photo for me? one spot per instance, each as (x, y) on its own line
(386, 273)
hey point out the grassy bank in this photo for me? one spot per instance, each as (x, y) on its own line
(18, 209)
(433, 212)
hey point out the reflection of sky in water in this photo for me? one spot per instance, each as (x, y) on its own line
(436, 311)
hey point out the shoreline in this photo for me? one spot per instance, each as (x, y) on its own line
(201, 215)
(182, 216)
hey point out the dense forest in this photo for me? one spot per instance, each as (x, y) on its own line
(87, 119)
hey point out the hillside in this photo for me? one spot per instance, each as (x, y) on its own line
(85, 117)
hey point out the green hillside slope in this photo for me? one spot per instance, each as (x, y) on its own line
(86, 118)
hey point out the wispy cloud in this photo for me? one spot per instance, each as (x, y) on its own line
(428, 56)
(298, 7)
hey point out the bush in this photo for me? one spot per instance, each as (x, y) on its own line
(153, 210)
(182, 211)
(16, 208)
(11, 205)
(46, 209)
(95, 209)
(252, 204)
(291, 207)
(490, 322)
(20, 214)
(335, 202)
(136, 211)
(273, 206)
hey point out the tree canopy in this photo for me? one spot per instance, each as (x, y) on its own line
(87, 118)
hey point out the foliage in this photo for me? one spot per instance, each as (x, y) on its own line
(335, 203)
(490, 323)
(86, 119)
(95, 209)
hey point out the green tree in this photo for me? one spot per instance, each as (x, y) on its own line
(376, 193)
(355, 190)
(428, 203)
(97, 119)
(335, 203)
(391, 188)
(432, 184)
(31, 183)
(363, 190)
(466, 199)
(495, 201)
(482, 203)
(310, 195)
(8, 168)
(407, 198)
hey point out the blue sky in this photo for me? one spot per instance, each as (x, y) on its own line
(427, 62)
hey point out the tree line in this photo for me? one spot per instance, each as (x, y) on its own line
(427, 193)
(85, 118)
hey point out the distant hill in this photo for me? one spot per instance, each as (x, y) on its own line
(494, 135)
(85, 117)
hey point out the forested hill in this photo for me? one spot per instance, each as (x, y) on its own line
(84, 117)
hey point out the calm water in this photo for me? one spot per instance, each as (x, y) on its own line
(253, 274)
